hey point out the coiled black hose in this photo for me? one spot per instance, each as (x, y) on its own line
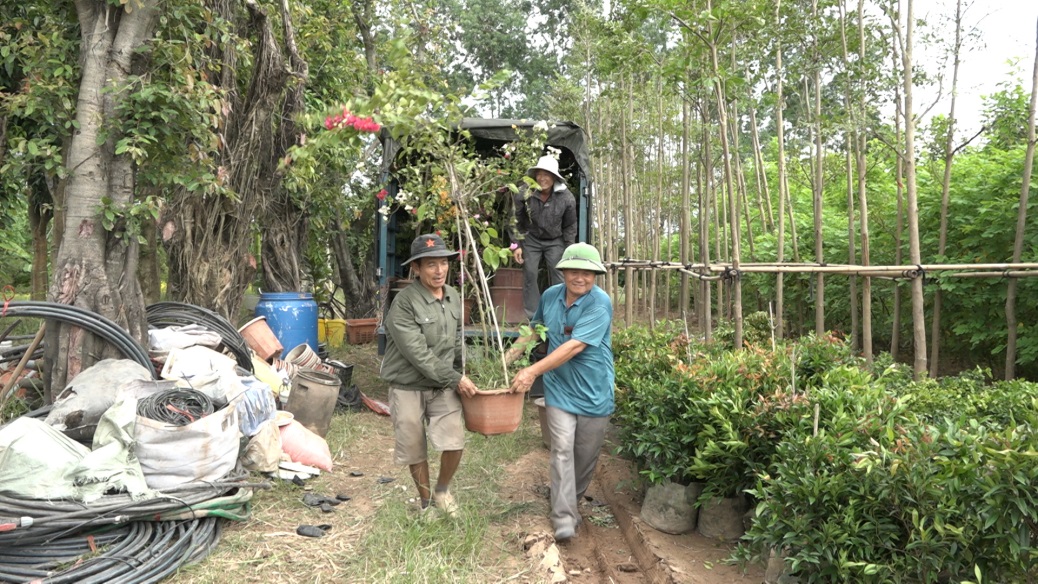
(15, 353)
(118, 539)
(140, 552)
(91, 321)
(55, 519)
(177, 407)
(163, 314)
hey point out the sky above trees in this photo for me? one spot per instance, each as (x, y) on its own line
(1005, 34)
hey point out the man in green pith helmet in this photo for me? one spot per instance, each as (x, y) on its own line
(422, 365)
(578, 379)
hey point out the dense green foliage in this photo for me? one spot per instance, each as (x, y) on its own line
(857, 475)
(15, 260)
(984, 198)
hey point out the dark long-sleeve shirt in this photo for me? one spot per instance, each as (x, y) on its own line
(546, 220)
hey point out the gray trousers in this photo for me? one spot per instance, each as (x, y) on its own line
(534, 251)
(575, 444)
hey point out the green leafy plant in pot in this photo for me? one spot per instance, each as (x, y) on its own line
(447, 184)
(497, 410)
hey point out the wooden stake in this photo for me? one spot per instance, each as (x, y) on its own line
(6, 393)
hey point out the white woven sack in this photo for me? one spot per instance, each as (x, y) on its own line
(204, 450)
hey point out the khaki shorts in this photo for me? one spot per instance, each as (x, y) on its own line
(412, 410)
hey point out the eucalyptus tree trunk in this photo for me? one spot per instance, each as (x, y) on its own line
(686, 207)
(717, 207)
(733, 197)
(817, 185)
(850, 146)
(794, 239)
(740, 180)
(611, 192)
(642, 234)
(658, 203)
(1021, 222)
(780, 133)
(625, 170)
(863, 207)
(705, 212)
(899, 227)
(949, 156)
(94, 268)
(601, 198)
(852, 235)
(915, 257)
(669, 220)
(763, 190)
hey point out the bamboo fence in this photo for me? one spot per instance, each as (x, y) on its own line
(726, 271)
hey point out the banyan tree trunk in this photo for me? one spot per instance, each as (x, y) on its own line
(94, 268)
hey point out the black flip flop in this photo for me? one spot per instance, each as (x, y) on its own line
(313, 530)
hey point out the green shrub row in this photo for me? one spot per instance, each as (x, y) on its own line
(856, 475)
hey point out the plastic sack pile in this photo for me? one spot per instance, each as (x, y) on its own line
(145, 461)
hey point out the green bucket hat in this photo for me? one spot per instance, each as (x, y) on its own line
(581, 256)
(429, 246)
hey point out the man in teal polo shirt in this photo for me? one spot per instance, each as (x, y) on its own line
(578, 379)
(422, 366)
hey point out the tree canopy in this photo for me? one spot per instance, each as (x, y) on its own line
(187, 155)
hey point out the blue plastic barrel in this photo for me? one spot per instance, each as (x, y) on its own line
(292, 316)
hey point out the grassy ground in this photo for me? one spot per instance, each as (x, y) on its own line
(378, 536)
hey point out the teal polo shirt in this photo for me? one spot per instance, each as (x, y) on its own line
(583, 385)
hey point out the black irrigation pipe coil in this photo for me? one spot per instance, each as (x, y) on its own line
(117, 540)
(139, 552)
(163, 314)
(55, 519)
(177, 407)
(91, 321)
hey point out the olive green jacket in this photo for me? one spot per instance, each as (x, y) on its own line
(423, 339)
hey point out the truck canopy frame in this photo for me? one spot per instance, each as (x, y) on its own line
(489, 134)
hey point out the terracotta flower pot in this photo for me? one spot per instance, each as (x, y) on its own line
(260, 338)
(493, 412)
(507, 277)
(467, 311)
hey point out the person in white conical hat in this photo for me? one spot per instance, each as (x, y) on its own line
(546, 223)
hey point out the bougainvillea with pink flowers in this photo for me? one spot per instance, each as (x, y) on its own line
(348, 120)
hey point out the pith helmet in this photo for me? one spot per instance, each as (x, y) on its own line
(546, 163)
(429, 246)
(581, 256)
